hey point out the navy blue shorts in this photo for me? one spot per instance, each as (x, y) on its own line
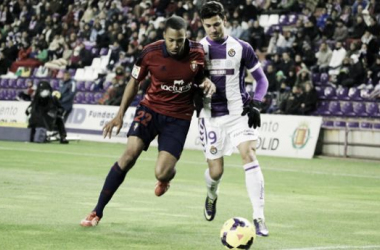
(171, 131)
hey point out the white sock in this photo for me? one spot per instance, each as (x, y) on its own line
(212, 185)
(254, 181)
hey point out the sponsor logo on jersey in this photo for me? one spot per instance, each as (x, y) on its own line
(178, 86)
(231, 52)
(194, 65)
(135, 71)
(213, 150)
(301, 136)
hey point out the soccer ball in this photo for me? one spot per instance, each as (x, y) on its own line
(237, 233)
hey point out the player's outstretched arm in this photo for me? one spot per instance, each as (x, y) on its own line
(130, 93)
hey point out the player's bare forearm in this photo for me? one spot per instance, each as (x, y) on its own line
(129, 94)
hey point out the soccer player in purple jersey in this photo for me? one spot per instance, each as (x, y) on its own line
(230, 117)
(174, 64)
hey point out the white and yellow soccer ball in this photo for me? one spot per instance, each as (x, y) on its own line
(56, 94)
(237, 233)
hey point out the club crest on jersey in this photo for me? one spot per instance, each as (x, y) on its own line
(135, 126)
(194, 65)
(213, 150)
(231, 52)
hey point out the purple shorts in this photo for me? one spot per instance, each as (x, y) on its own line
(171, 131)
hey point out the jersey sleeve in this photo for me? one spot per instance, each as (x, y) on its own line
(251, 61)
(140, 69)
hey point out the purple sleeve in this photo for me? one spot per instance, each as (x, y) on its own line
(261, 84)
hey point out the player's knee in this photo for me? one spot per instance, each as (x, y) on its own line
(127, 160)
(164, 174)
(249, 155)
(216, 173)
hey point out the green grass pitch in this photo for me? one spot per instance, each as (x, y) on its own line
(46, 189)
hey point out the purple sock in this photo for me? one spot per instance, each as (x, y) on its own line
(114, 179)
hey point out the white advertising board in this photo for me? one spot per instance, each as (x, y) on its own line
(280, 135)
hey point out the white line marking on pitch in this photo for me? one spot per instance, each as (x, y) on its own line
(193, 163)
(335, 248)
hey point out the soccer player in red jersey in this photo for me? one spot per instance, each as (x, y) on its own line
(175, 64)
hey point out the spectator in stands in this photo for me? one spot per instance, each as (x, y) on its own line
(271, 75)
(311, 31)
(5, 63)
(338, 54)
(62, 62)
(292, 104)
(248, 11)
(341, 31)
(321, 20)
(308, 56)
(352, 72)
(358, 29)
(362, 3)
(328, 30)
(309, 99)
(68, 91)
(236, 30)
(372, 46)
(285, 41)
(257, 36)
(272, 46)
(374, 71)
(287, 63)
(303, 76)
(323, 56)
(54, 47)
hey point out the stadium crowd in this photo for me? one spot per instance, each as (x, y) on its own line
(337, 38)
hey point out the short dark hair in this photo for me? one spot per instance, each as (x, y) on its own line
(175, 22)
(211, 9)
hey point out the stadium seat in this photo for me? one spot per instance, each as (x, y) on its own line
(329, 93)
(360, 109)
(353, 124)
(21, 83)
(81, 85)
(324, 78)
(89, 98)
(4, 83)
(97, 97)
(340, 124)
(273, 19)
(264, 20)
(366, 125)
(372, 109)
(283, 20)
(2, 94)
(79, 74)
(88, 86)
(334, 109)
(328, 124)
(322, 108)
(106, 85)
(354, 93)
(72, 72)
(347, 109)
(342, 93)
(315, 78)
(376, 126)
(79, 97)
(12, 83)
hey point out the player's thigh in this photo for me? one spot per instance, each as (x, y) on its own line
(135, 146)
(213, 138)
(172, 135)
(144, 125)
